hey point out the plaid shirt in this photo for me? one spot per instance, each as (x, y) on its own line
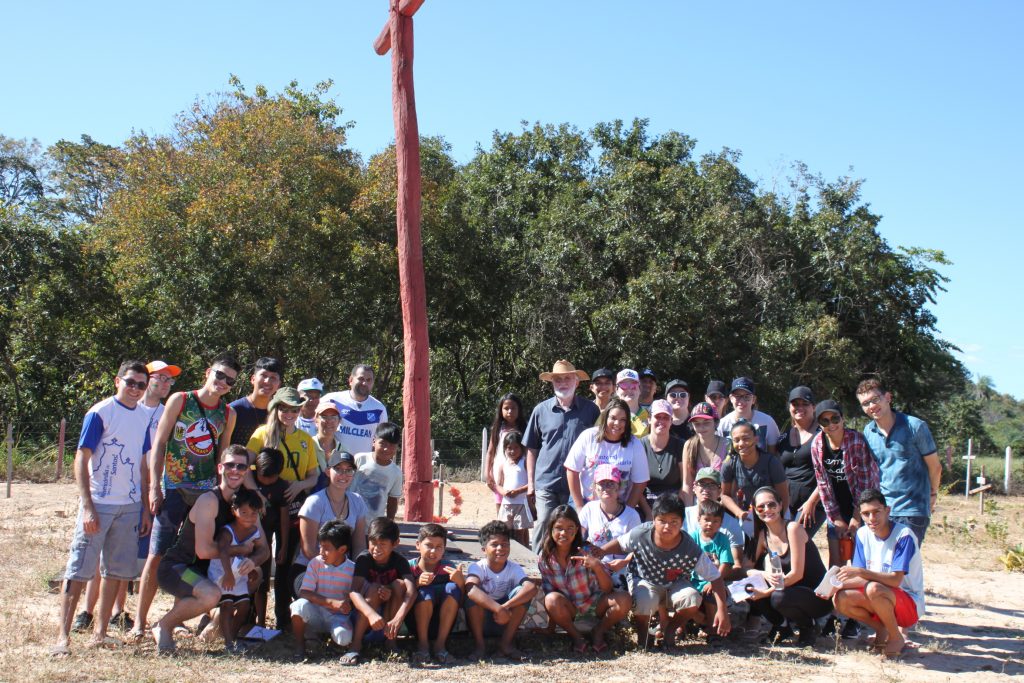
(575, 582)
(859, 463)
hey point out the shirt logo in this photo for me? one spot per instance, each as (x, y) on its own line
(199, 437)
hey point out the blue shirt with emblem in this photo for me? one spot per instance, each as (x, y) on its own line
(905, 481)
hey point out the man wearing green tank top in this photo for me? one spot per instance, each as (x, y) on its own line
(194, 429)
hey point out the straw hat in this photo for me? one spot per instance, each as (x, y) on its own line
(563, 367)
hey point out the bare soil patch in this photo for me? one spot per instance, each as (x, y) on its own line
(974, 629)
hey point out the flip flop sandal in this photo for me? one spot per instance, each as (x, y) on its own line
(349, 659)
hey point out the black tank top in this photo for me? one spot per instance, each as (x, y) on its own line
(184, 549)
(814, 569)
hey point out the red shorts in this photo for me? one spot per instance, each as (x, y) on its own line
(906, 608)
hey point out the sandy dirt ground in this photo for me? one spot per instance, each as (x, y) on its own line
(974, 629)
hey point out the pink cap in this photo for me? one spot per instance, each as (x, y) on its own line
(607, 472)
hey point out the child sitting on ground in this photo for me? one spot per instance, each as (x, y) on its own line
(238, 540)
(716, 546)
(606, 518)
(499, 593)
(512, 482)
(575, 584)
(440, 586)
(382, 588)
(324, 605)
(663, 557)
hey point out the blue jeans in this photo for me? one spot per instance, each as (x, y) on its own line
(919, 525)
(547, 501)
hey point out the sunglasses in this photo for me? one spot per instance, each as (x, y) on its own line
(825, 420)
(224, 377)
(287, 409)
(677, 394)
(237, 466)
(132, 384)
(163, 379)
(607, 484)
(766, 506)
(344, 470)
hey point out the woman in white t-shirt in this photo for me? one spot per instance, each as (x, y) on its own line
(610, 442)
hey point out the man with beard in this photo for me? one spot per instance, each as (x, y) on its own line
(182, 572)
(360, 412)
(553, 428)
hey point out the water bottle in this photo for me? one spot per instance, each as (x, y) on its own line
(778, 576)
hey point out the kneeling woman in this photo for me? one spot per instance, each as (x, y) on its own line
(575, 583)
(793, 600)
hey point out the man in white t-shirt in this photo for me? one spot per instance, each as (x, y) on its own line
(379, 478)
(360, 412)
(113, 485)
(883, 586)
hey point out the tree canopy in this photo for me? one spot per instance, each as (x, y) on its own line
(252, 226)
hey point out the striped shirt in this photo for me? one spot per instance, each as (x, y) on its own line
(574, 581)
(333, 583)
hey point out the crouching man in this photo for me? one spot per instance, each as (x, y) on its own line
(884, 586)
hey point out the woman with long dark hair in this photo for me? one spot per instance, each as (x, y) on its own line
(789, 599)
(610, 442)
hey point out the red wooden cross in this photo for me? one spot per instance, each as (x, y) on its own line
(416, 453)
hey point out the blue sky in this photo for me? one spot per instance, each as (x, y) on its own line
(922, 99)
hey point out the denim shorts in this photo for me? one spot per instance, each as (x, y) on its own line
(919, 525)
(493, 629)
(168, 522)
(115, 546)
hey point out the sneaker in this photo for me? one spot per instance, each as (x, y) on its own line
(829, 629)
(808, 636)
(851, 629)
(82, 622)
(122, 622)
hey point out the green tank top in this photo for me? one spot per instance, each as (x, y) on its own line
(191, 460)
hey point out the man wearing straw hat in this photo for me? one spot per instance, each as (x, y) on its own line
(554, 426)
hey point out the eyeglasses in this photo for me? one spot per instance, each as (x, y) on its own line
(771, 505)
(163, 379)
(344, 470)
(224, 377)
(132, 384)
(871, 402)
(329, 416)
(677, 394)
(237, 466)
(742, 397)
(825, 420)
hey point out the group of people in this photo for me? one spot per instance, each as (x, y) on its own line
(751, 498)
(191, 496)
(636, 504)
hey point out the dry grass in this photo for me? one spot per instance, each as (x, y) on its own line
(972, 633)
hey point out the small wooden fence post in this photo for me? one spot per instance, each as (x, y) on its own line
(10, 456)
(60, 448)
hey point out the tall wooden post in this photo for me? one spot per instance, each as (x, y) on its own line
(416, 460)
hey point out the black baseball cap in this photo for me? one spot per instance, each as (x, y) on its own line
(801, 393)
(603, 372)
(716, 386)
